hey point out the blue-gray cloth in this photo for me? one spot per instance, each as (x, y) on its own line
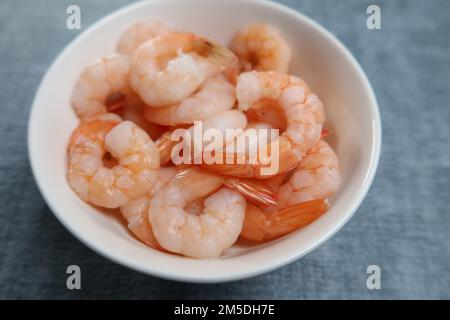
(403, 225)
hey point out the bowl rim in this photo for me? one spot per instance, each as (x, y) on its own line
(258, 269)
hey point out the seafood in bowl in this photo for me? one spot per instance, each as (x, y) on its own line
(196, 144)
(352, 129)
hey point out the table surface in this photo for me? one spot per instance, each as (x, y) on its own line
(402, 226)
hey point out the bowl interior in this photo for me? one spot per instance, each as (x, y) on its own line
(318, 58)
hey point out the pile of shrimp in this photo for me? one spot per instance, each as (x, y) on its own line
(160, 79)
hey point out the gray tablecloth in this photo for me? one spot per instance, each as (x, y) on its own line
(402, 226)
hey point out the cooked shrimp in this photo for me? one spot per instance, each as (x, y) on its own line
(250, 162)
(226, 120)
(100, 80)
(136, 153)
(204, 235)
(301, 200)
(260, 225)
(139, 33)
(135, 212)
(302, 109)
(169, 68)
(215, 95)
(261, 47)
(316, 177)
(252, 190)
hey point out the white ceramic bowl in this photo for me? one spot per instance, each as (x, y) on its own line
(332, 72)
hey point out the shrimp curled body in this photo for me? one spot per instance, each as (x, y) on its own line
(302, 109)
(301, 200)
(206, 234)
(99, 80)
(261, 47)
(136, 153)
(167, 69)
(139, 33)
(316, 177)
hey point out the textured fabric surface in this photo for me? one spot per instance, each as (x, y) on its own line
(402, 226)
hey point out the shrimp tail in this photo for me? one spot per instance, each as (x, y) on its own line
(231, 169)
(215, 51)
(287, 159)
(165, 146)
(254, 192)
(296, 216)
(259, 225)
(219, 55)
(143, 231)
